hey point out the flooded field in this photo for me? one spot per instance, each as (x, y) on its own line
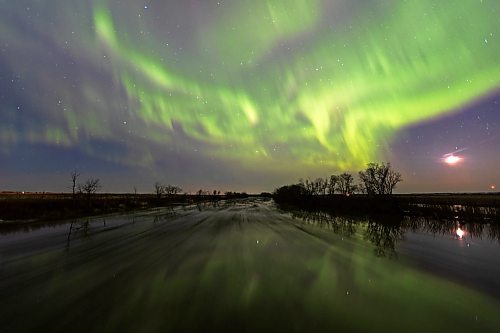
(248, 266)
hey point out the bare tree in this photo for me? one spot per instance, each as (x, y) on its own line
(171, 189)
(91, 186)
(393, 178)
(361, 189)
(345, 184)
(320, 186)
(307, 185)
(159, 189)
(332, 184)
(74, 177)
(379, 179)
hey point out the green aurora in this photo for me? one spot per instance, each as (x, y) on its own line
(329, 102)
(275, 84)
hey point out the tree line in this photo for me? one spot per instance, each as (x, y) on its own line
(168, 190)
(376, 179)
(92, 185)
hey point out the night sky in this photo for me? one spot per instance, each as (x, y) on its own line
(248, 95)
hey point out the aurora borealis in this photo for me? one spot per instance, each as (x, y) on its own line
(248, 94)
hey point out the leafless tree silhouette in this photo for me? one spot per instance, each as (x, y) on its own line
(332, 184)
(91, 186)
(74, 178)
(345, 184)
(159, 189)
(379, 179)
(171, 189)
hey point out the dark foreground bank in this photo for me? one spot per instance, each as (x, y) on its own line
(40, 208)
(469, 206)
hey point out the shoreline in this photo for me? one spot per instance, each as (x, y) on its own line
(32, 208)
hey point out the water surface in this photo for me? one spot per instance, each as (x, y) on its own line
(248, 266)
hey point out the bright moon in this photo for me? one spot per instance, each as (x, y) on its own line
(452, 159)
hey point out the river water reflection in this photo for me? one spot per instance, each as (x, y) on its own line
(248, 266)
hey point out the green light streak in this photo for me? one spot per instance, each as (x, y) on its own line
(277, 85)
(333, 102)
(257, 28)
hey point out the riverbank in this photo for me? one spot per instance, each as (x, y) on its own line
(453, 205)
(38, 207)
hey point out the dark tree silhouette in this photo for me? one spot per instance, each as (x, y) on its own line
(91, 186)
(74, 177)
(332, 184)
(379, 179)
(345, 184)
(307, 185)
(290, 193)
(171, 189)
(320, 186)
(159, 189)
